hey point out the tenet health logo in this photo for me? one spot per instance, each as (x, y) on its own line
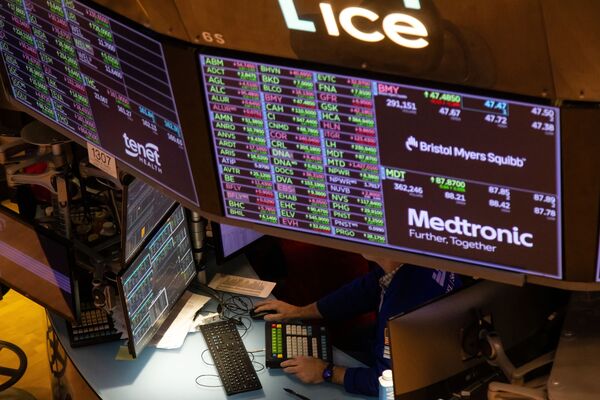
(148, 154)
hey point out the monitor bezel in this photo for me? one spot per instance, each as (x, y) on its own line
(75, 301)
(510, 274)
(130, 344)
(598, 254)
(127, 181)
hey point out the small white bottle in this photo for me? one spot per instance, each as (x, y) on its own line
(386, 385)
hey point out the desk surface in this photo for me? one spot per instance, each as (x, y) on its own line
(171, 374)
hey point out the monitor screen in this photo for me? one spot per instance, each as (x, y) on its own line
(156, 278)
(229, 240)
(36, 264)
(144, 208)
(435, 172)
(98, 79)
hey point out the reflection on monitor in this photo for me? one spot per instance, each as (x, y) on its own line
(156, 279)
(428, 360)
(229, 240)
(435, 172)
(99, 80)
(37, 264)
(598, 260)
(145, 207)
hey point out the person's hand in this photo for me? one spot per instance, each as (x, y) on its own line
(307, 369)
(283, 310)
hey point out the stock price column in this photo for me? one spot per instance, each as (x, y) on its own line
(240, 138)
(347, 122)
(58, 52)
(128, 84)
(296, 148)
(45, 71)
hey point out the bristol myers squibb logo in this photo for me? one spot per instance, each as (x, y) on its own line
(411, 143)
(147, 154)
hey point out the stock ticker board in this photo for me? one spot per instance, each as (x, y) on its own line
(100, 80)
(433, 172)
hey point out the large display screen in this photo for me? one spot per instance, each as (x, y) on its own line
(156, 279)
(37, 265)
(144, 208)
(418, 169)
(98, 79)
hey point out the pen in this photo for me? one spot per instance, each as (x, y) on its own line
(290, 391)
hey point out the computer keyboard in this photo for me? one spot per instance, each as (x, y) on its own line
(230, 356)
(288, 340)
(96, 326)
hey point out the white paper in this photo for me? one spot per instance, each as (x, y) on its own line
(102, 160)
(240, 285)
(174, 334)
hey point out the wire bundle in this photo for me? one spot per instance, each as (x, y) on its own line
(230, 307)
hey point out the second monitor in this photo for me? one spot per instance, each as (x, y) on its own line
(143, 207)
(230, 240)
(156, 279)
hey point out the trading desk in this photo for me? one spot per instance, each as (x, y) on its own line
(171, 374)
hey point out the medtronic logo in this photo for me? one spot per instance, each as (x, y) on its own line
(402, 29)
(147, 153)
(461, 226)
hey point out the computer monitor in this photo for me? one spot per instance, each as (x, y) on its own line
(156, 279)
(598, 260)
(362, 158)
(84, 72)
(38, 264)
(427, 344)
(231, 240)
(144, 208)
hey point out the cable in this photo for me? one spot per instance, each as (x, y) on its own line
(208, 386)
(230, 307)
(117, 215)
(261, 365)
(203, 360)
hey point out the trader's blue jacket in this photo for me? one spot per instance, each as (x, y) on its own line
(410, 287)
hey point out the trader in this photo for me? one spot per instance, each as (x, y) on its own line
(389, 289)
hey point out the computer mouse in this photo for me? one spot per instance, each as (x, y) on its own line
(260, 314)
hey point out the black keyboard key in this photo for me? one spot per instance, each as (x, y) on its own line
(95, 326)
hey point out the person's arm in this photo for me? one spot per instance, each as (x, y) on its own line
(357, 297)
(363, 381)
(355, 380)
(286, 312)
(310, 370)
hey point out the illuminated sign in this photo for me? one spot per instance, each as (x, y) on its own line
(402, 29)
